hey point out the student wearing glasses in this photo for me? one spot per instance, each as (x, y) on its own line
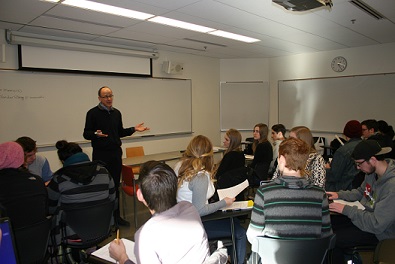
(104, 128)
(356, 227)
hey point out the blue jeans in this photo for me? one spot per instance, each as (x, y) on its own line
(217, 229)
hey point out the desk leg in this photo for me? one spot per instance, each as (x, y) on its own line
(134, 204)
(232, 230)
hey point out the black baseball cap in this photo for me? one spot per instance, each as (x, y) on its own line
(367, 149)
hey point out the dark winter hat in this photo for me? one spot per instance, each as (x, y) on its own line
(367, 149)
(353, 129)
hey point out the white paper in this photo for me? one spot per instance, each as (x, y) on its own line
(249, 157)
(356, 203)
(103, 252)
(233, 191)
(239, 205)
(218, 149)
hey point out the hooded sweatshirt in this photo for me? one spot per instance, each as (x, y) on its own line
(80, 182)
(377, 194)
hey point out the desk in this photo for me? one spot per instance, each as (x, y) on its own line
(166, 156)
(228, 214)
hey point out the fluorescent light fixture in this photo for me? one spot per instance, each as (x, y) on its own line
(180, 24)
(14, 37)
(229, 35)
(118, 11)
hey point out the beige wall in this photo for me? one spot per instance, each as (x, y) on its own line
(365, 60)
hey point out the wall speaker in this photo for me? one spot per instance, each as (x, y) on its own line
(171, 67)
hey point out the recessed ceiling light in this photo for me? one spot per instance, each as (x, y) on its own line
(229, 35)
(180, 24)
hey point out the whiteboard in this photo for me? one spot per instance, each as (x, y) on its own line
(327, 104)
(243, 104)
(52, 106)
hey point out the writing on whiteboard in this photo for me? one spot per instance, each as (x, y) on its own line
(17, 94)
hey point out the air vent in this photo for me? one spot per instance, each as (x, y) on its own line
(367, 9)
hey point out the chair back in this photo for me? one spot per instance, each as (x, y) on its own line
(92, 224)
(135, 151)
(127, 175)
(281, 251)
(32, 241)
(384, 252)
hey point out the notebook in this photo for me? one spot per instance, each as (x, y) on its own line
(103, 252)
(8, 254)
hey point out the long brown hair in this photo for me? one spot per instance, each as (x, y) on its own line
(304, 134)
(197, 157)
(234, 140)
(263, 133)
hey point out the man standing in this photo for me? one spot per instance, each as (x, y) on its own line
(356, 227)
(103, 126)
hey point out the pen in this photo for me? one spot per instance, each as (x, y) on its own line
(118, 236)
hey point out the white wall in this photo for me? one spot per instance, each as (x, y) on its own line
(244, 70)
(204, 73)
(364, 60)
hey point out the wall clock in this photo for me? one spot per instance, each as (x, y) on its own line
(339, 64)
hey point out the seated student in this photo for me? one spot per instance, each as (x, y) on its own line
(80, 181)
(388, 132)
(175, 233)
(36, 164)
(371, 130)
(263, 154)
(22, 194)
(278, 135)
(315, 166)
(195, 185)
(290, 207)
(356, 227)
(231, 170)
(341, 172)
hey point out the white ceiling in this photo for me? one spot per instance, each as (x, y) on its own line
(281, 32)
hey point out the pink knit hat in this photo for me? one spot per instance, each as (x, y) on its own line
(11, 155)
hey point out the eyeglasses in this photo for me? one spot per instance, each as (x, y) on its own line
(358, 164)
(107, 96)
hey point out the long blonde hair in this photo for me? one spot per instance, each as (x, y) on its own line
(197, 157)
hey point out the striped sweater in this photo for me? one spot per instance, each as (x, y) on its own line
(290, 208)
